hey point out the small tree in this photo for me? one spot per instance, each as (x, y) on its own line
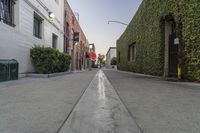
(113, 61)
(101, 59)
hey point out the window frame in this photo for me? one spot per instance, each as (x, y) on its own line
(7, 12)
(54, 42)
(132, 52)
(39, 20)
(119, 58)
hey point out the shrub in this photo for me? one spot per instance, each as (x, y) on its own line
(49, 60)
(113, 61)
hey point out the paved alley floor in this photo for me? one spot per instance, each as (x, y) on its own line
(158, 106)
(97, 101)
(40, 105)
(100, 111)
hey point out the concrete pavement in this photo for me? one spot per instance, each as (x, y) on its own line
(40, 105)
(159, 106)
(144, 104)
(100, 111)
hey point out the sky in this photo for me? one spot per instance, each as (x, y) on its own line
(95, 14)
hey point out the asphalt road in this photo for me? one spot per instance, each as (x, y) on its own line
(40, 105)
(158, 106)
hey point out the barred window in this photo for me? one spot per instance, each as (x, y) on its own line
(54, 40)
(37, 26)
(132, 52)
(7, 12)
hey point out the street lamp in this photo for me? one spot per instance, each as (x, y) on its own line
(117, 22)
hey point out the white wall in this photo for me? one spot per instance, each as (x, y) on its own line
(111, 53)
(15, 42)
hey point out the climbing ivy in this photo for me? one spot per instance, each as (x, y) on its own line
(146, 30)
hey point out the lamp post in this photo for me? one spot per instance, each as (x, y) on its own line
(117, 22)
(90, 59)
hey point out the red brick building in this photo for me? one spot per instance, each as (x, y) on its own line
(76, 50)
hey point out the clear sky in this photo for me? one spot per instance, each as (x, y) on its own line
(94, 15)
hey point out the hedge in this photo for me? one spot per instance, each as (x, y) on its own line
(146, 30)
(113, 61)
(49, 60)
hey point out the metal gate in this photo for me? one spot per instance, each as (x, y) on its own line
(173, 56)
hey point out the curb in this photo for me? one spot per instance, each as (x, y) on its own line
(33, 75)
(142, 75)
(175, 81)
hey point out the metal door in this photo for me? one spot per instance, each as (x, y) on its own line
(173, 56)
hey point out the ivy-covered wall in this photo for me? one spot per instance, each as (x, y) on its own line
(146, 30)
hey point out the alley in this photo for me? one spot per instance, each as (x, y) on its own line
(100, 111)
(99, 101)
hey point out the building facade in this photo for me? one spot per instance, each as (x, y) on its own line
(109, 55)
(76, 49)
(163, 39)
(25, 23)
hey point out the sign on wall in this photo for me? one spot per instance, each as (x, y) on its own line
(76, 36)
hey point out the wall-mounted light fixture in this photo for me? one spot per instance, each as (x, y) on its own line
(51, 15)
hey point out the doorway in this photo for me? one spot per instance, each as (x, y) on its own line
(171, 48)
(173, 56)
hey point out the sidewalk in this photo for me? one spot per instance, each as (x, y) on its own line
(157, 77)
(40, 105)
(158, 106)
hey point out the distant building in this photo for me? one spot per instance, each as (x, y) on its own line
(92, 50)
(109, 55)
(93, 47)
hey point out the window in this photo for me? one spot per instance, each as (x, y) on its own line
(7, 12)
(37, 27)
(119, 57)
(132, 52)
(54, 40)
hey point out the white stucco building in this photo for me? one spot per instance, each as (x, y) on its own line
(25, 23)
(109, 55)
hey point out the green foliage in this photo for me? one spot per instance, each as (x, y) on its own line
(100, 58)
(49, 60)
(147, 30)
(103, 62)
(113, 61)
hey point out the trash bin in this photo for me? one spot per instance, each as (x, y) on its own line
(13, 67)
(4, 70)
(8, 70)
